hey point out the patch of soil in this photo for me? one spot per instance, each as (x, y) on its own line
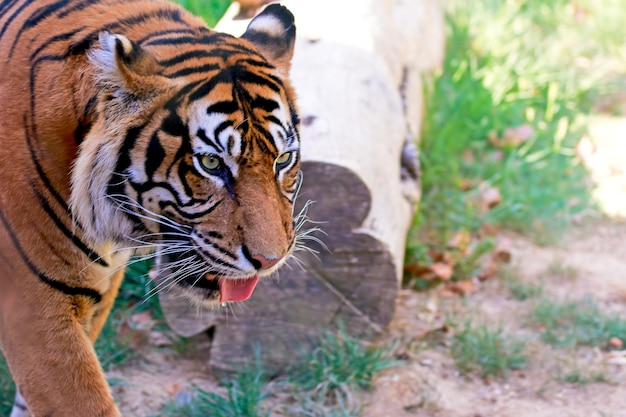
(158, 377)
(591, 263)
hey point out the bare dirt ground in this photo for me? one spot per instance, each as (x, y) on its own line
(589, 262)
(592, 262)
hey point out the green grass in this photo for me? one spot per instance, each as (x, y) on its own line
(244, 398)
(571, 324)
(512, 63)
(323, 384)
(111, 350)
(522, 291)
(488, 86)
(209, 10)
(581, 368)
(133, 298)
(489, 352)
(557, 269)
(339, 363)
(580, 376)
(7, 388)
(519, 290)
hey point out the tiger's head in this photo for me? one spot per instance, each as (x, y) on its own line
(194, 152)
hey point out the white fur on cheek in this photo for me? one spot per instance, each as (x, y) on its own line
(101, 219)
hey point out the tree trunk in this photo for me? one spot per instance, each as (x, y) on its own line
(357, 72)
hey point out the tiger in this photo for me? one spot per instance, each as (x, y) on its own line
(131, 127)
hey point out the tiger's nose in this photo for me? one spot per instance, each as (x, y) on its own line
(262, 263)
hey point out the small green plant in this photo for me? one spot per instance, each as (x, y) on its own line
(244, 397)
(321, 385)
(492, 353)
(111, 349)
(339, 363)
(566, 324)
(580, 376)
(522, 291)
(133, 297)
(519, 290)
(558, 269)
(467, 266)
(507, 113)
(577, 373)
(7, 388)
(137, 289)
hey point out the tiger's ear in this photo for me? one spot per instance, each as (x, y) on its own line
(273, 32)
(125, 66)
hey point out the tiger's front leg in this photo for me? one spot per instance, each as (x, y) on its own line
(50, 353)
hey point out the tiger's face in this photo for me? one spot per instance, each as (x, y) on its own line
(196, 157)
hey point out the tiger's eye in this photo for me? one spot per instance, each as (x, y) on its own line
(210, 162)
(283, 159)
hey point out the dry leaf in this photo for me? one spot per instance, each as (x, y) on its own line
(136, 339)
(437, 331)
(417, 270)
(142, 320)
(173, 388)
(502, 251)
(576, 10)
(488, 269)
(513, 136)
(490, 229)
(435, 255)
(465, 184)
(461, 287)
(442, 270)
(585, 149)
(489, 198)
(460, 241)
(136, 329)
(616, 343)
(159, 339)
(441, 257)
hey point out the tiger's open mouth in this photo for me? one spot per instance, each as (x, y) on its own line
(206, 286)
(227, 289)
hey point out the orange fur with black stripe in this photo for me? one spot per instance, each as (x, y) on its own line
(125, 126)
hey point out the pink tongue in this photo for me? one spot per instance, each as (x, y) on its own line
(237, 289)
